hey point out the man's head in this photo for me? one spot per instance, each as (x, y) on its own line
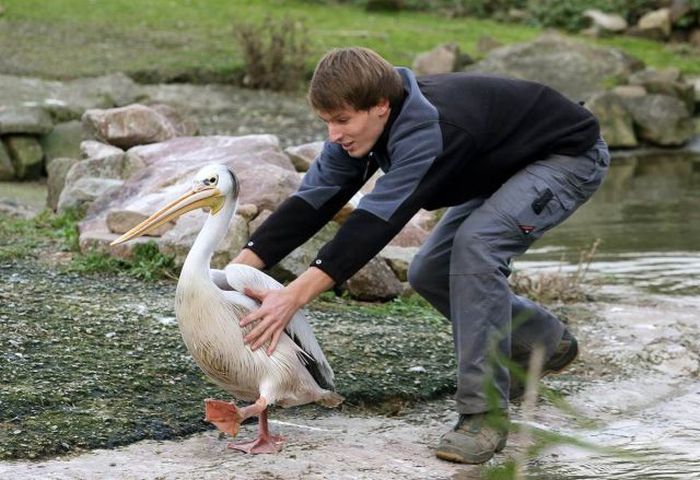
(351, 90)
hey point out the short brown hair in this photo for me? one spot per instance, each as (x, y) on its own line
(357, 77)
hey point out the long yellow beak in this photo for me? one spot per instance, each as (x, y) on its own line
(206, 197)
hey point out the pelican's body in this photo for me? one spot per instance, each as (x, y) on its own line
(209, 305)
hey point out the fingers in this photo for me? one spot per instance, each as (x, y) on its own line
(256, 294)
(273, 344)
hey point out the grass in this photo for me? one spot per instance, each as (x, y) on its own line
(188, 40)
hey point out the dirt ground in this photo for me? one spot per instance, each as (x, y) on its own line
(636, 380)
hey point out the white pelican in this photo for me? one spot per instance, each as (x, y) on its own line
(209, 304)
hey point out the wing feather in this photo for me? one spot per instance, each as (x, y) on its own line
(239, 277)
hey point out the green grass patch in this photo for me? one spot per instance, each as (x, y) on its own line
(182, 40)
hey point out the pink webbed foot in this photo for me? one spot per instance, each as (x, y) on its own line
(271, 444)
(224, 415)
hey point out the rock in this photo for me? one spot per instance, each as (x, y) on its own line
(399, 259)
(129, 126)
(616, 123)
(63, 141)
(679, 9)
(84, 191)
(576, 69)
(255, 223)
(91, 149)
(374, 282)
(661, 119)
(655, 25)
(107, 91)
(442, 59)
(410, 236)
(7, 170)
(24, 120)
(629, 91)
(26, 156)
(485, 44)
(694, 37)
(606, 22)
(57, 170)
(179, 239)
(303, 155)
(184, 126)
(300, 258)
(248, 211)
(667, 82)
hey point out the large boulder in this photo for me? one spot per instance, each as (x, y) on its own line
(661, 119)
(667, 82)
(24, 120)
(655, 25)
(7, 170)
(302, 156)
(441, 59)
(128, 126)
(603, 23)
(616, 123)
(56, 172)
(63, 141)
(576, 69)
(375, 281)
(266, 177)
(26, 155)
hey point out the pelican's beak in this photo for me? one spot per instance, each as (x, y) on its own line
(199, 197)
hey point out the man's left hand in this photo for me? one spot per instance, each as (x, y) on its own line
(276, 311)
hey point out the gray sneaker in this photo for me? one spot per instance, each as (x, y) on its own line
(563, 356)
(475, 438)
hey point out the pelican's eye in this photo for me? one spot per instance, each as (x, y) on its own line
(211, 180)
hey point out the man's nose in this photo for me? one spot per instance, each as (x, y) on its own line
(334, 133)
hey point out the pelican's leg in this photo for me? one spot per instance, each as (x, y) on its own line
(265, 443)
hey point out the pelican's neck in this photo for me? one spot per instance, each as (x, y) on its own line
(213, 232)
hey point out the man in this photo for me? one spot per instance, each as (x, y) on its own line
(510, 158)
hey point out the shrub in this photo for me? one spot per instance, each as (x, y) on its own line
(568, 14)
(275, 53)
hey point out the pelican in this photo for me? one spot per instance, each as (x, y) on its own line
(209, 304)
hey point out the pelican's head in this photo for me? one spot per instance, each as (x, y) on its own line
(211, 186)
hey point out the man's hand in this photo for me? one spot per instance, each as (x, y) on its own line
(276, 311)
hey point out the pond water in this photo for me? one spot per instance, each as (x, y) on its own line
(647, 216)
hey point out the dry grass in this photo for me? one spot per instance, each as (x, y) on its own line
(557, 286)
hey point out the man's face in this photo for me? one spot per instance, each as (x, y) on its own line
(356, 130)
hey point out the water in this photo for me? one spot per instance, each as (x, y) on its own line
(647, 215)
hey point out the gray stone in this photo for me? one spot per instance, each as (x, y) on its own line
(125, 127)
(441, 59)
(411, 235)
(629, 91)
(302, 156)
(666, 82)
(679, 9)
(300, 258)
(56, 172)
(63, 141)
(375, 281)
(26, 155)
(184, 126)
(606, 22)
(615, 121)
(249, 211)
(657, 22)
(485, 44)
(661, 119)
(7, 170)
(257, 221)
(24, 120)
(84, 191)
(576, 69)
(91, 149)
(399, 259)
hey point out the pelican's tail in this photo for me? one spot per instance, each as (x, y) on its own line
(330, 399)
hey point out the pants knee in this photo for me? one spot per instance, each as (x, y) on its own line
(421, 276)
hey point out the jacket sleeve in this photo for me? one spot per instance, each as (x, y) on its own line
(332, 180)
(397, 196)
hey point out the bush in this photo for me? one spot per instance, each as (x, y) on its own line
(275, 53)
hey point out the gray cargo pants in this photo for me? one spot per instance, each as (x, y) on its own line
(463, 268)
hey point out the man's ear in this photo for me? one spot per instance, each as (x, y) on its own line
(382, 107)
